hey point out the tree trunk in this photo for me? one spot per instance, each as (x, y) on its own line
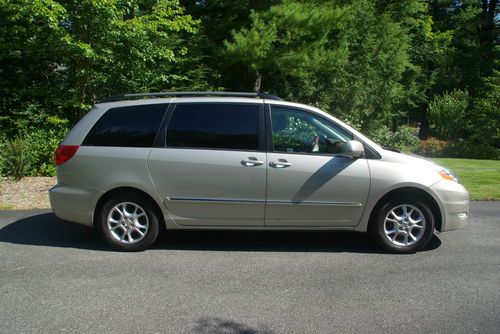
(257, 82)
(394, 124)
(423, 132)
(487, 27)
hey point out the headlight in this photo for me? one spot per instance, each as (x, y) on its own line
(446, 174)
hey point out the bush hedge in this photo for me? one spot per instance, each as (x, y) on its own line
(16, 158)
(404, 139)
(447, 114)
(434, 147)
(32, 151)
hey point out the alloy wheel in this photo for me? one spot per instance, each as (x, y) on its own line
(404, 225)
(127, 223)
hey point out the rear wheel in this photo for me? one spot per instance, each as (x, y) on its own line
(129, 222)
(403, 225)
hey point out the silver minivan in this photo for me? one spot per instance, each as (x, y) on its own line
(138, 163)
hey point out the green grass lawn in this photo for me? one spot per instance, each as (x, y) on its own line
(480, 177)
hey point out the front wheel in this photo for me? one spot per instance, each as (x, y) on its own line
(129, 222)
(403, 225)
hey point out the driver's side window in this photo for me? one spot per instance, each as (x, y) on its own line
(296, 131)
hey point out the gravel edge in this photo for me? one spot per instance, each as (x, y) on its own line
(27, 193)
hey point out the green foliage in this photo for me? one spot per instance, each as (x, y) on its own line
(2, 148)
(404, 139)
(16, 158)
(369, 85)
(485, 114)
(342, 58)
(64, 56)
(286, 43)
(447, 114)
(2, 145)
(41, 134)
(382, 135)
(371, 63)
(469, 149)
(35, 45)
(433, 147)
(44, 136)
(43, 143)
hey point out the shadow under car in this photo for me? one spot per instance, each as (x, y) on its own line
(46, 229)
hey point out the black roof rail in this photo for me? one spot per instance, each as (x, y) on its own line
(121, 97)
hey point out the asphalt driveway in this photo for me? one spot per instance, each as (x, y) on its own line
(58, 277)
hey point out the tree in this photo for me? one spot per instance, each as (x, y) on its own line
(131, 46)
(60, 57)
(34, 46)
(343, 58)
(447, 114)
(219, 18)
(485, 121)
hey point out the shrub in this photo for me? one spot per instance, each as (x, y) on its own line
(432, 147)
(381, 135)
(405, 139)
(16, 158)
(2, 148)
(471, 150)
(43, 144)
(447, 114)
(35, 147)
(43, 133)
(1, 165)
(485, 116)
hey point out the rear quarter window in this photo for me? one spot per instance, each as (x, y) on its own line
(133, 126)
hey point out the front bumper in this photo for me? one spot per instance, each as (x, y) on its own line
(73, 204)
(454, 204)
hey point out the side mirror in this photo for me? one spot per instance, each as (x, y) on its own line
(353, 149)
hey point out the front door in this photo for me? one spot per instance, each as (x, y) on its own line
(212, 171)
(309, 183)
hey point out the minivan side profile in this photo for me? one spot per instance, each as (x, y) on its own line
(139, 163)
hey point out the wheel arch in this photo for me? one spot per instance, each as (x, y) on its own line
(110, 193)
(419, 194)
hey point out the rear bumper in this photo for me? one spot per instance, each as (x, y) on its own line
(455, 204)
(73, 204)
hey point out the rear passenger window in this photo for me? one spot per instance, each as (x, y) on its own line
(134, 126)
(214, 125)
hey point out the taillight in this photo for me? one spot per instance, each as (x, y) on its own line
(64, 153)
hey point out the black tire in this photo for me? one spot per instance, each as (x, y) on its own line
(151, 219)
(403, 228)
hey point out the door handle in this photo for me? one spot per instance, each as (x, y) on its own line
(251, 161)
(281, 163)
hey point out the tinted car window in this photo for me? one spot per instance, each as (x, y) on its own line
(296, 131)
(214, 125)
(134, 126)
